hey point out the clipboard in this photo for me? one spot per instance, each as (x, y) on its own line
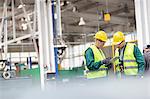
(114, 59)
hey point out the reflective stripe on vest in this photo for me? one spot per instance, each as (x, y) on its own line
(131, 67)
(129, 61)
(101, 69)
(98, 56)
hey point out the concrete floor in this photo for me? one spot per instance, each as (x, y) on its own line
(14, 88)
(26, 88)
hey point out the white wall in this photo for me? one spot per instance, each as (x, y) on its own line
(22, 57)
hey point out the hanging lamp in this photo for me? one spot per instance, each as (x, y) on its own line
(81, 22)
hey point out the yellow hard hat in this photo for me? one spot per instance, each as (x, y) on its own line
(118, 37)
(101, 35)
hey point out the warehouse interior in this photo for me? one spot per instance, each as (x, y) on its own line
(44, 40)
(90, 11)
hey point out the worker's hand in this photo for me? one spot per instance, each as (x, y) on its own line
(106, 61)
(109, 66)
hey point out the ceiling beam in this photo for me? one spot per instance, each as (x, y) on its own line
(78, 29)
(70, 5)
(89, 6)
(18, 12)
(112, 1)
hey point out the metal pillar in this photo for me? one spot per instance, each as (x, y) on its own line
(10, 62)
(146, 20)
(34, 31)
(45, 29)
(56, 62)
(50, 21)
(142, 22)
(30, 62)
(47, 37)
(41, 60)
(58, 10)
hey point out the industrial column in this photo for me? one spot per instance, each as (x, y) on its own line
(46, 45)
(142, 12)
(50, 30)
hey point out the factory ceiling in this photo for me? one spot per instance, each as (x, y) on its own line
(122, 18)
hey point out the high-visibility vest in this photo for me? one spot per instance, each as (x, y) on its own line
(98, 56)
(130, 66)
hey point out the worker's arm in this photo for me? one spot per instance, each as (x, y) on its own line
(90, 60)
(140, 60)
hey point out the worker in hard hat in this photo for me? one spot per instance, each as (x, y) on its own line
(130, 61)
(96, 62)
